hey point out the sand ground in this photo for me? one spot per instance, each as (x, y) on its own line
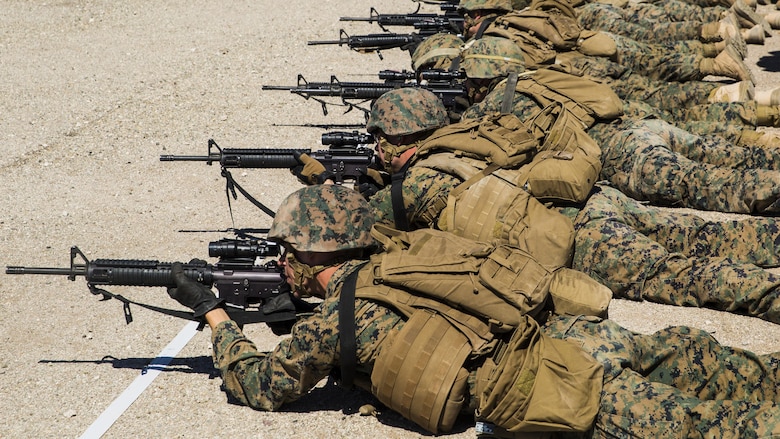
(92, 93)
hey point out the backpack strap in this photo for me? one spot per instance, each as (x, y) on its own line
(346, 326)
(397, 198)
(509, 93)
(482, 26)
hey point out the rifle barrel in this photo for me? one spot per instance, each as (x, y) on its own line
(322, 42)
(190, 158)
(368, 19)
(37, 270)
(277, 87)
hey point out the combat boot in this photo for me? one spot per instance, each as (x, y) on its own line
(768, 97)
(768, 116)
(741, 91)
(728, 64)
(754, 35)
(773, 18)
(761, 139)
(727, 33)
(748, 17)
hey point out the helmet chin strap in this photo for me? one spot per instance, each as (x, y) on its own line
(303, 272)
(392, 151)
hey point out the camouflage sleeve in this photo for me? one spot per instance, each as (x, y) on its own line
(266, 381)
(422, 187)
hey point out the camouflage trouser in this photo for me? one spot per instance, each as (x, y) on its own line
(676, 383)
(646, 253)
(671, 10)
(677, 61)
(609, 18)
(667, 96)
(654, 161)
(706, 4)
(629, 85)
(742, 113)
(725, 119)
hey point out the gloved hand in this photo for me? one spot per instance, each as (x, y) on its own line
(371, 182)
(310, 171)
(191, 294)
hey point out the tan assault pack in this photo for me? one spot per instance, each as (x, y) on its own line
(460, 297)
(540, 33)
(552, 26)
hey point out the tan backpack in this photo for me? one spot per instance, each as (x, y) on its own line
(557, 29)
(500, 139)
(460, 296)
(497, 283)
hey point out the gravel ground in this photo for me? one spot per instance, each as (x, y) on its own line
(93, 91)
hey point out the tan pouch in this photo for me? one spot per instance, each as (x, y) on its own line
(575, 293)
(536, 383)
(569, 163)
(518, 278)
(596, 43)
(561, 176)
(420, 375)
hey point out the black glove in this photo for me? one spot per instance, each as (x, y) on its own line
(371, 182)
(310, 171)
(191, 294)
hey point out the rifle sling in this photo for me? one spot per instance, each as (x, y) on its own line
(239, 316)
(231, 185)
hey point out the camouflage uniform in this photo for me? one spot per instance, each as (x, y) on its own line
(609, 18)
(644, 253)
(683, 104)
(674, 61)
(667, 250)
(654, 161)
(267, 381)
(677, 381)
(671, 10)
(678, 61)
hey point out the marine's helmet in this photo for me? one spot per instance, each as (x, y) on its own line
(323, 218)
(494, 5)
(491, 57)
(407, 110)
(437, 51)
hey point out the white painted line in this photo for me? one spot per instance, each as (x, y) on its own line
(134, 390)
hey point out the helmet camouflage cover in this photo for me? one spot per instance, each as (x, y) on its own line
(407, 110)
(491, 57)
(437, 51)
(323, 218)
(473, 5)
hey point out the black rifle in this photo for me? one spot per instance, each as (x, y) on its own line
(448, 92)
(346, 158)
(378, 42)
(427, 24)
(253, 293)
(344, 162)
